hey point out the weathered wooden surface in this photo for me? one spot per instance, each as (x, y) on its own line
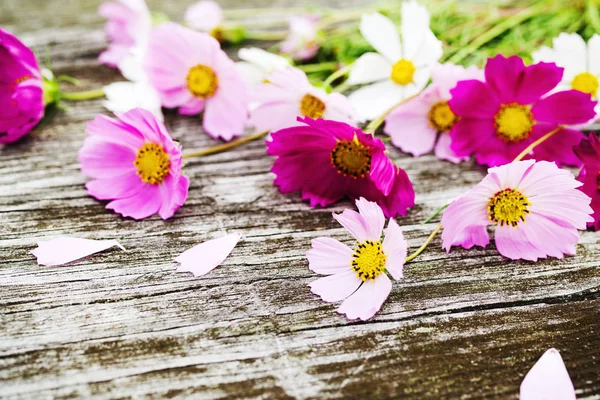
(124, 324)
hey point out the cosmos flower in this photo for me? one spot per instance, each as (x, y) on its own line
(548, 379)
(206, 256)
(580, 61)
(329, 160)
(135, 163)
(301, 43)
(399, 69)
(190, 71)
(128, 30)
(500, 118)
(21, 89)
(287, 95)
(358, 276)
(588, 152)
(424, 122)
(63, 250)
(535, 207)
(257, 64)
(205, 16)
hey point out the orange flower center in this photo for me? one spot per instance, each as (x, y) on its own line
(152, 163)
(202, 81)
(441, 117)
(311, 106)
(351, 158)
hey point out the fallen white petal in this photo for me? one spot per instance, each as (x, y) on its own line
(548, 380)
(203, 258)
(124, 96)
(64, 250)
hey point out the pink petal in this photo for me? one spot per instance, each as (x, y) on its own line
(469, 135)
(106, 160)
(368, 299)
(568, 107)
(336, 287)
(328, 256)
(551, 238)
(118, 187)
(226, 112)
(548, 380)
(143, 204)
(203, 258)
(504, 75)
(373, 216)
(537, 80)
(204, 15)
(64, 250)
(274, 115)
(443, 150)
(558, 148)
(512, 243)
(396, 248)
(173, 195)
(383, 172)
(474, 99)
(446, 76)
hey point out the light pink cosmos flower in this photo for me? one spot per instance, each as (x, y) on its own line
(301, 43)
(548, 380)
(63, 250)
(21, 94)
(535, 206)
(134, 163)
(424, 122)
(190, 71)
(588, 152)
(205, 16)
(358, 276)
(203, 258)
(287, 95)
(128, 29)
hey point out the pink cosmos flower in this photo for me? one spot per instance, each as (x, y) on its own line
(134, 163)
(301, 43)
(21, 94)
(288, 94)
(357, 276)
(534, 205)
(205, 16)
(63, 250)
(423, 122)
(501, 117)
(190, 71)
(206, 256)
(128, 29)
(329, 160)
(588, 152)
(548, 380)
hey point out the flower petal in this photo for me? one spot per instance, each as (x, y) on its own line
(124, 96)
(548, 379)
(373, 216)
(368, 299)
(473, 98)
(443, 150)
(204, 15)
(336, 287)
(503, 76)
(537, 80)
(206, 256)
(373, 100)
(141, 205)
(328, 256)
(381, 33)
(355, 224)
(414, 27)
(370, 67)
(63, 250)
(395, 247)
(568, 107)
(593, 49)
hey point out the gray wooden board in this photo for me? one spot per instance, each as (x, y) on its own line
(468, 324)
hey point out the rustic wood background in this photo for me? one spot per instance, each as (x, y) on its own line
(468, 324)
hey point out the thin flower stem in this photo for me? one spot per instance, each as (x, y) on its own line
(337, 74)
(376, 123)
(536, 143)
(424, 245)
(270, 36)
(87, 95)
(436, 213)
(226, 146)
(320, 67)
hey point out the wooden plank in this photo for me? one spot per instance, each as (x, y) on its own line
(468, 324)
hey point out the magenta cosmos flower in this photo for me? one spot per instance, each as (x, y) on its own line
(589, 154)
(498, 119)
(288, 95)
(21, 89)
(535, 206)
(329, 160)
(190, 71)
(134, 163)
(357, 276)
(128, 30)
(424, 122)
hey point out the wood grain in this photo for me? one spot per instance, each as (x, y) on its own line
(468, 324)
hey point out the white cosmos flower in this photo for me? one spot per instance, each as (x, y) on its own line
(581, 62)
(399, 69)
(257, 63)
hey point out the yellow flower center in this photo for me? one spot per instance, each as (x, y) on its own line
(351, 158)
(403, 71)
(311, 106)
(202, 81)
(152, 163)
(586, 83)
(508, 207)
(514, 122)
(441, 117)
(368, 260)
(217, 33)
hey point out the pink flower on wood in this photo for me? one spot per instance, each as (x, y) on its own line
(63, 250)
(21, 93)
(358, 276)
(329, 160)
(206, 256)
(588, 152)
(135, 163)
(535, 207)
(548, 380)
(301, 43)
(190, 71)
(500, 117)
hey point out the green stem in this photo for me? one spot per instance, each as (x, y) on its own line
(436, 213)
(424, 245)
(87, 95)
(337, 74)
(226, 146)
(593, 15)
(269, 36)
(320, 67)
